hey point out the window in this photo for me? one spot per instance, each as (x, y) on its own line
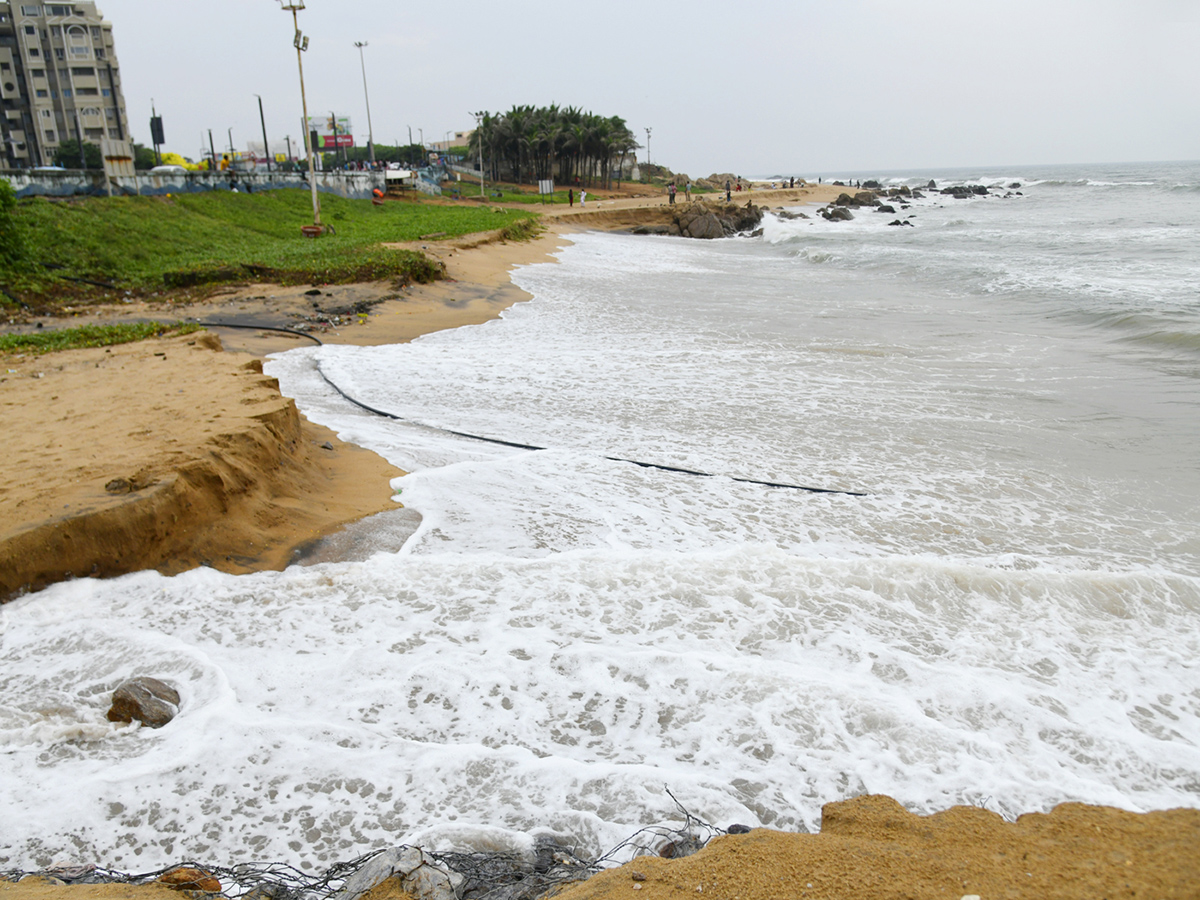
(100, 53)
(86, 92)
(66, 92)
(36, 73)
(110, 113)
(34, 52)
(106, 92)
(60, 11)
(50, 135)
(43, 93)
(83, 70)
(56, 30)
(47, 114)
(31, 10)
(114, 133)
(96, 32)
(4, 67)
(29, 29)
(59, 54)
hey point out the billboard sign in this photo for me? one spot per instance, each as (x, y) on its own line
(331, 132)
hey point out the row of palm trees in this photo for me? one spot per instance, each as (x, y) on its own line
(528, 144)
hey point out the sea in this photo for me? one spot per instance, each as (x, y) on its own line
(992, 598)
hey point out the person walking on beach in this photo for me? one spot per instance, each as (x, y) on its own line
(570, 196)
(582, 197)
(671, 193)
(728, 192)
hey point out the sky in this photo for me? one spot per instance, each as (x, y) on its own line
(757, 87)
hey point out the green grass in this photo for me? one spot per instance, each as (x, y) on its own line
(148, 244)
(90, 336)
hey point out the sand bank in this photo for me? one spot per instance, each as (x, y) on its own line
(165, 454)
(871, 847)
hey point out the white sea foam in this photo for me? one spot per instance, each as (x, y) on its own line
(1008, 616)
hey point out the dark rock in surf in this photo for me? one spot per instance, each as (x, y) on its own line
(837, 214)
(152, 702)
(885, 208)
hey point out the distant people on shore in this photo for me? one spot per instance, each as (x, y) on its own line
(728, 194)
(582, 197)
(671, 193)
(687, 191)
(570, 196)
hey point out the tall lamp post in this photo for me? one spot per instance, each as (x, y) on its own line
(300, 42)
(367, 97)
(262, 121)
(648, 130)
(479, 140)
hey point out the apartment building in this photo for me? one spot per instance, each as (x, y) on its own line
(58, 80)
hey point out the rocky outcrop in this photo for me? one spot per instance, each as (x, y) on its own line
(836, 214)
(707, 220)
(152, 702)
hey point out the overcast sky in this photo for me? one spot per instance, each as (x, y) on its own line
(757, 87)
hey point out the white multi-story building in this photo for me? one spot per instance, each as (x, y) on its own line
(58, 80)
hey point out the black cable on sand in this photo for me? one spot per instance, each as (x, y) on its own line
(519, 446)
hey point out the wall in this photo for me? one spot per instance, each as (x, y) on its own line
(73, 182)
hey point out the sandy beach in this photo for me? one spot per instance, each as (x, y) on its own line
(179, 452)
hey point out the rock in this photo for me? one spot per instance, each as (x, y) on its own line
(119, 486)
(871, 184)
(757, 232)
(843, 200)
(152, 702)
(698, 221)
(325, 445)
(684, 845)
(1014, 185)
(837, 214)
(315, 292)
(419, 874)
(788, 216)
(885, 208)
(637, 876)
(917, 195)
(738, 829)
(932, 186)
(41, 879)
(187, 878)
(865, 198)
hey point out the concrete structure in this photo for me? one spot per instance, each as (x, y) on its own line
(59, 80)
(77, 183)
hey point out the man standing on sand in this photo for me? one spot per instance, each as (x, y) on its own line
(570, 196)
(582, 197)
(687, 191)
(671, 193)
(728, 194)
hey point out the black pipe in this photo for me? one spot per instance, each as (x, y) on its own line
(477, 437)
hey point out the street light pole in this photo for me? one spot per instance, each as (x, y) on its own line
(263, 122)
(479, 140)
(367, 97)
(648, 130)
(301, 43)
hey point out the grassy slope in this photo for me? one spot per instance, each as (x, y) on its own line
(134, 243)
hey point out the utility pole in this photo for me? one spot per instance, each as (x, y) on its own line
(479, 138)
(648, 130)
(300, 42)
(367, 97)
(263, 122)
(212, 152)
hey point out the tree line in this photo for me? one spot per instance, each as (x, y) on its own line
(528, 144)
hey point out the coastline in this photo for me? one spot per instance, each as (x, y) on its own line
(950, 853)
(246, 494)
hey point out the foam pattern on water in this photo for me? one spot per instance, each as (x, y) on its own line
(331, 709)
